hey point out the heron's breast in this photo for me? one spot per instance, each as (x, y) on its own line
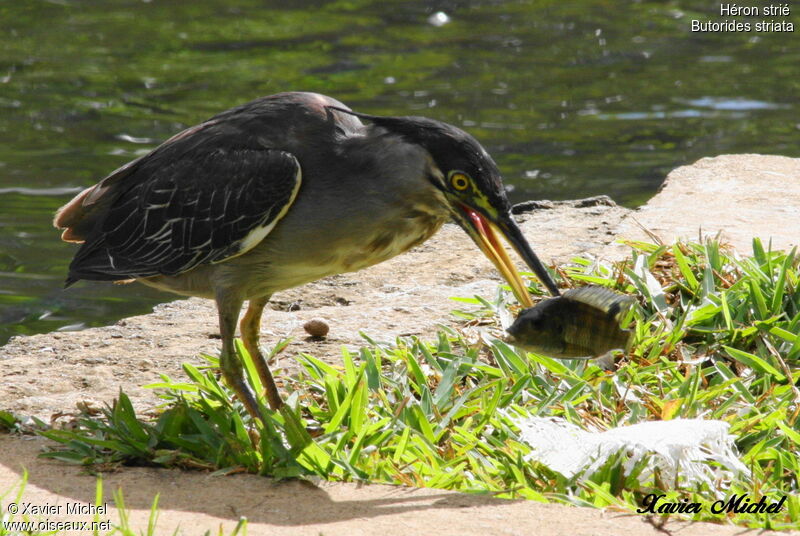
(382, 242)
(288, 261)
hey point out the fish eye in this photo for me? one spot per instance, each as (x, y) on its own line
(459, 180)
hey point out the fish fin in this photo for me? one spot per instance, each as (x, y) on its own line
(610, 302)
(504, 315)
(629, 341)
(606, 360)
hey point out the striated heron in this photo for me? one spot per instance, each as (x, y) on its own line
(281, 191)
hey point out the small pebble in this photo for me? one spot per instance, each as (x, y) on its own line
(316, 327)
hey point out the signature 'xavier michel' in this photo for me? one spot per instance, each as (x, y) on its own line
(281, 191)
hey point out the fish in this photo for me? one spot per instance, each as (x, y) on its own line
(582, 323)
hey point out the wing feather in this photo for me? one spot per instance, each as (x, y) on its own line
(200, 208)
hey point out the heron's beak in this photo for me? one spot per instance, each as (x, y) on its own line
(484, 233)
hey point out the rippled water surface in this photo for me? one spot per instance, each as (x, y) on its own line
(572, 98)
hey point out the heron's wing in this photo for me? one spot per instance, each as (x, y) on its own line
(203, 207)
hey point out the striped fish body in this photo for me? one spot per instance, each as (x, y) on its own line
(583, 323)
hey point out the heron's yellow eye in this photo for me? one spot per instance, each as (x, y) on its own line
(459, 181)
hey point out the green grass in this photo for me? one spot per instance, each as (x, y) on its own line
(715, 337)
(8, 422)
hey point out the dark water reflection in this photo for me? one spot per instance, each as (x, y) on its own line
(572, 98)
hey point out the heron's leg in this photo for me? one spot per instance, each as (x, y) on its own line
(250, 326)
(228, 307)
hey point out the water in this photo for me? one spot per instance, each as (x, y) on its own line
(572, 99)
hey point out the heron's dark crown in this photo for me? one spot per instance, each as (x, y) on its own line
(452, 149)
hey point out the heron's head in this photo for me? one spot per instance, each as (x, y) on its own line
(473, 189)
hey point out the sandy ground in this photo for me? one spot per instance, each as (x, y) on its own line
(742, 196)
(195, 502)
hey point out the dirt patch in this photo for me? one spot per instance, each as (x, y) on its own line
(736, 196)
